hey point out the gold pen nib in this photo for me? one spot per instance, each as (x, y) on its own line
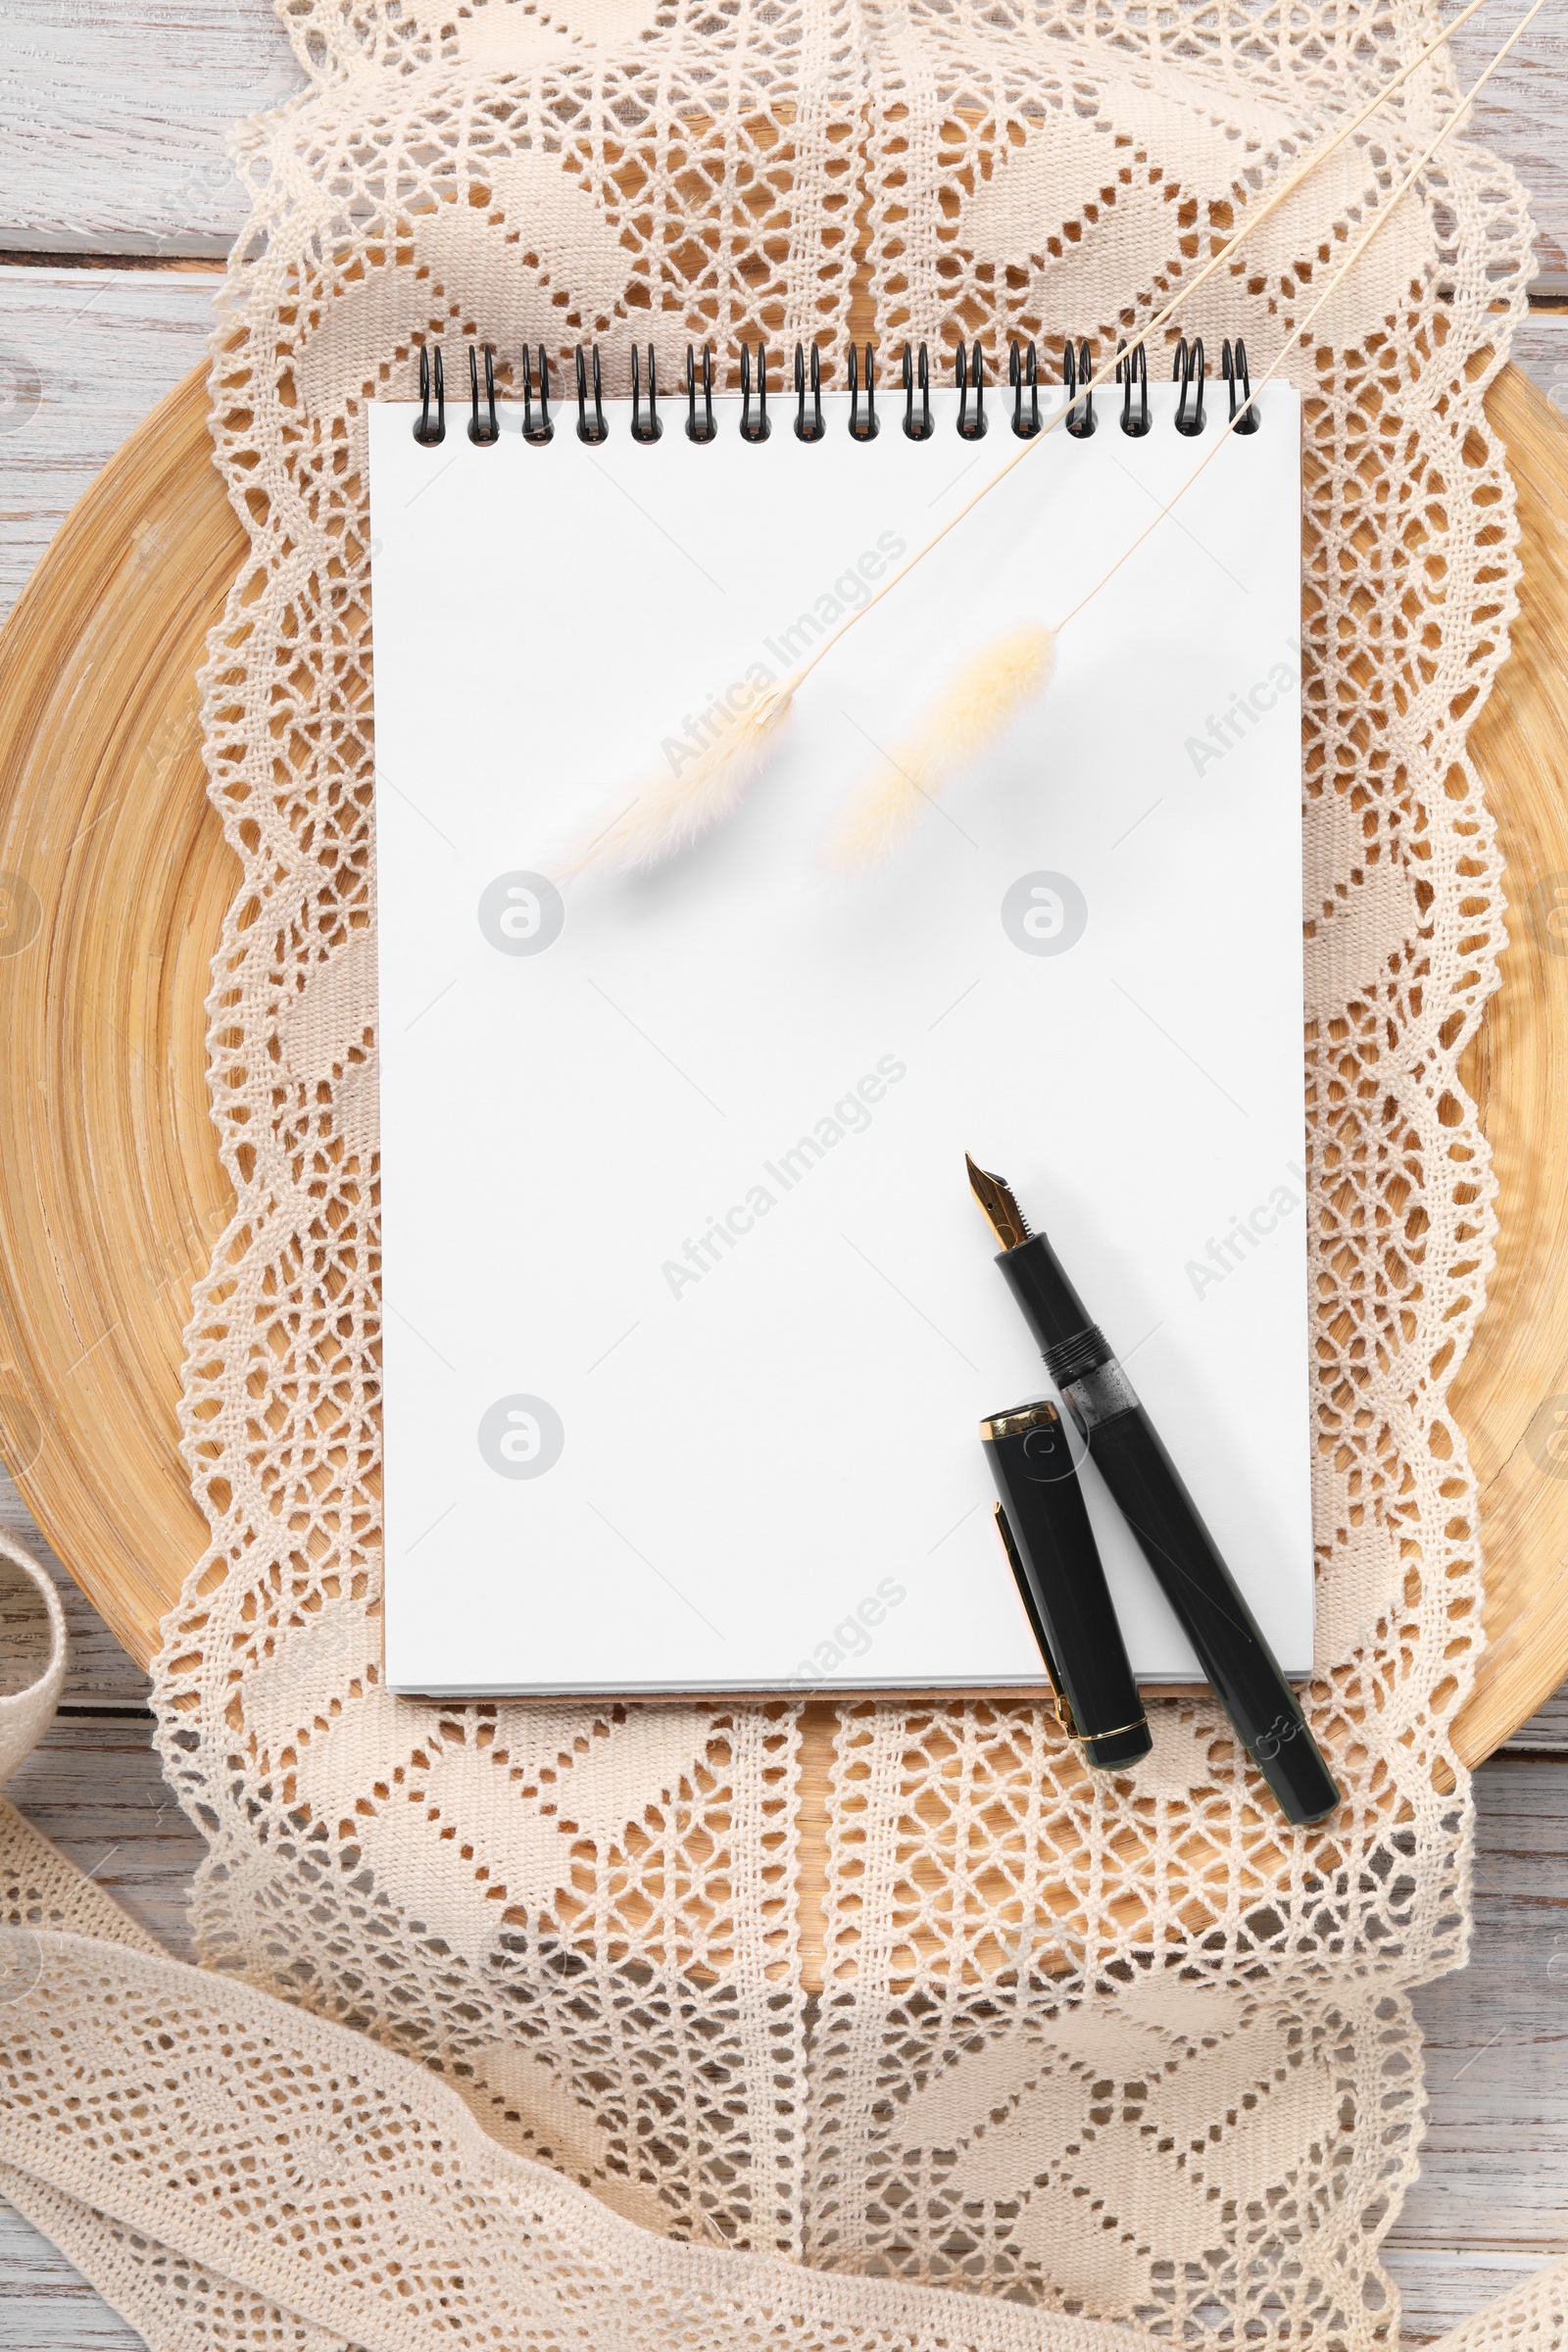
(1005, 1217)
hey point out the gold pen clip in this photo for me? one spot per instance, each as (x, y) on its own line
(1062, 1704)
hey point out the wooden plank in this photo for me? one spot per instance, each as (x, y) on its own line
(1438, 2289)
(94, 1788)
(1547, 1731)
(1541, 349)
(1521, 116)
(114, 121)
(45, 2306)
(100, 1675)
(85, 354)
(1492, 2196)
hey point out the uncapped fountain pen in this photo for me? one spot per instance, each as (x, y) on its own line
(1149, 1491)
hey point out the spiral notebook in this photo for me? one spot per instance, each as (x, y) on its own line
(690, 1318)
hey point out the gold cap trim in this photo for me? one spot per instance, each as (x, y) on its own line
(1019, 1419)
(1061, 1704)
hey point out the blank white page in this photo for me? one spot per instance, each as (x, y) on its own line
(690, 1315)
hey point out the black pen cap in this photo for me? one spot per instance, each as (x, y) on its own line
(1071, 1343)
(1043, 1523)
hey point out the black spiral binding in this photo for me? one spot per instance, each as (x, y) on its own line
(1235, 374)
(426, 432)
(1187, 372)
(487, 435)
(866, 428)
(537, 434)
(599, 431)
(972, 423)
(817, 430)
(1080, 409)
(1133, 369)
(1024, 376)
(758, 428)
(644, 428)
(708, 430)
(926, 426)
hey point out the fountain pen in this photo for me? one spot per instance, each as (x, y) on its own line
(1149, 1491)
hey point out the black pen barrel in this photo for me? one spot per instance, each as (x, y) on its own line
(1152, 1498)
(1053, 1309)
(1062, 1582)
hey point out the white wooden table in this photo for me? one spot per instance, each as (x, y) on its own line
(116, 203)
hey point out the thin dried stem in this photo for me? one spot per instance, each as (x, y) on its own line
(1248, 228)
(1384, 213)
(666, 813)
(884, 809)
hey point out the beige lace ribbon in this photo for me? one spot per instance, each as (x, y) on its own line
(228, 2170)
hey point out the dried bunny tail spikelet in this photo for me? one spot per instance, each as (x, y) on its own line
(974, 712)
(670, 812)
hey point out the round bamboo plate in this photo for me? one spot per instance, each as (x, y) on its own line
(114, 880)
